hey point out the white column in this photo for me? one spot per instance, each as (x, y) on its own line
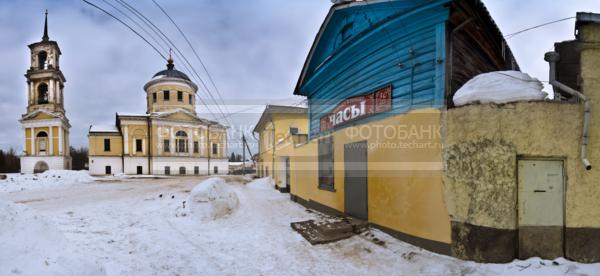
(51, 91)
(126, 140)
(60, 140)
(57, 91)
(32, 141)
(159, 145)
(172, 142)
(143, 146)
(191, 142)
(202, 145)
(31, 97)
(51, 142)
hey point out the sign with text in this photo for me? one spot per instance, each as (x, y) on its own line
(358, 107)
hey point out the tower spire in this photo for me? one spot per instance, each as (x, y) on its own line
(45, 37)
(170, 64)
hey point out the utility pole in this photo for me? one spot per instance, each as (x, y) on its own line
(243, 155)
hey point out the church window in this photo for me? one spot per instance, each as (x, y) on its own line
(215, 149)
(179, 96)
(166, 95)
(138, 145)
(166, 145)
(42, 60)
(154, 97)
(182, 170)
(106, 144)
(42, 93)
(190, 98)
(167, 170)
(181, 144)
(42, 141)
(195, 147)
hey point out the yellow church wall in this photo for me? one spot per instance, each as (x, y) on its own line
(96, 145)
(404, 173)
(136, 131)
(27, 148)
(162, 105)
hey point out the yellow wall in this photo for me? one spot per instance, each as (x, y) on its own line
(96, 145)
(55, 141)
(172, 103)
(404, 177)
(276, 143)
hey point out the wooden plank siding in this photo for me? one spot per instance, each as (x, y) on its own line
(410, 45)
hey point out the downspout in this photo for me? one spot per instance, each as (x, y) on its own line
(149, 143)
(552, 58)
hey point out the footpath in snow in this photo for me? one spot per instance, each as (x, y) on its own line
(191, 226)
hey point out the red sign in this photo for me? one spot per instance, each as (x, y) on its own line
(358, 107)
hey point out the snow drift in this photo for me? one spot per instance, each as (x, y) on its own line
(500, 87)
(33, 246)
(261, 184)
(51, 178)
(212, 199)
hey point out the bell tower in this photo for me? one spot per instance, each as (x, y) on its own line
(45, 125)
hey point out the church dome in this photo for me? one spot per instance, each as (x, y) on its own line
(171, 72)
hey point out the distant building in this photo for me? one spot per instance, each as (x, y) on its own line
(170, 139)
(45, 125)
(281, 129)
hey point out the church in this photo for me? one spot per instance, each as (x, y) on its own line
(169, 139)
(45, 124)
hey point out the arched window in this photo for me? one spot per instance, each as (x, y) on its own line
(181, 142)
(42, 141)
(42, 91)
(42, 60)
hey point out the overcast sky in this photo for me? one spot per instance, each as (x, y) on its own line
(254, 51)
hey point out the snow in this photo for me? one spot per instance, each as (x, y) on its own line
(136, 227)
(500, 87)
(33, 246)
(103, 128)
(266, 183)
(212, 199)
(47, 179)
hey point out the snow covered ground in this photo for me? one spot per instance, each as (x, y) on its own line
(141, 227)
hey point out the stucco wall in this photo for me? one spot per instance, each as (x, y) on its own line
(404, 173)
(481, 147)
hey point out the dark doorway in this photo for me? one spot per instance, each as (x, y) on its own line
(216, 170)
(140, 170)
(40, 167)
(107, 170)
(287, 174)
(355, 180)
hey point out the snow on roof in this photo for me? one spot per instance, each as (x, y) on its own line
(103, 128)
(500, 87)
(131, 114)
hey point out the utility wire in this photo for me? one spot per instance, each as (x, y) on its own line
(509, 36)
(133, 11)
(126, 25)
(195, 53)
(169, 42)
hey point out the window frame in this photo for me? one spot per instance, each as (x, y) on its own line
(180, 96)
(139, 147)
(196, 147)
(215, 149)
(166, 145)
(106, 144)
(154, 97)
(326, 162)
(166, 96)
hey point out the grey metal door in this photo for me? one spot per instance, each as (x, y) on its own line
(355, 180)
(541, 208)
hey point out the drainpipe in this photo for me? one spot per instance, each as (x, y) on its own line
(552, 58)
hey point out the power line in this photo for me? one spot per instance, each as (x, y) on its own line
(199, 59)
(195, 53)
(178, 52)
(509, 36)
(126, 25)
